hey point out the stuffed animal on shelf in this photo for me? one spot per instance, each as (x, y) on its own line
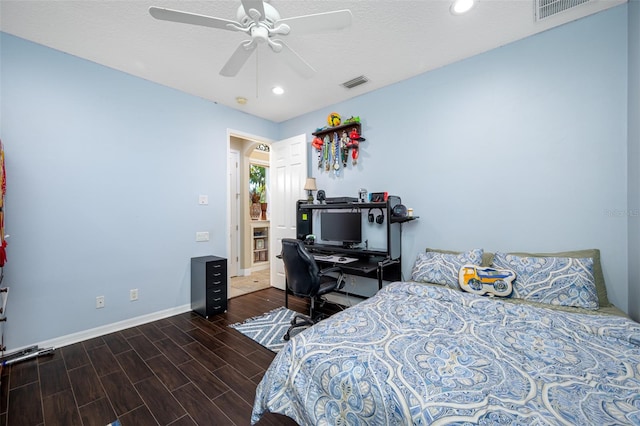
(355, 138)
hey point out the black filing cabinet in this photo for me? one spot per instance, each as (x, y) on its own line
(208, 285)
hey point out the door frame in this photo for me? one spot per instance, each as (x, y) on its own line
(234, 206)
(253, 138)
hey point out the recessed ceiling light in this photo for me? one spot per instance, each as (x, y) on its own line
(241, 100)
(278, 90)
(458, 7)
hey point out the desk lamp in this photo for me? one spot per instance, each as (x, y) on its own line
(310, 186)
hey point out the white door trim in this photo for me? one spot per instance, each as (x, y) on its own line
(254, 138)
(234, 212)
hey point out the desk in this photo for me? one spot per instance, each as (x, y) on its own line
(367, 266)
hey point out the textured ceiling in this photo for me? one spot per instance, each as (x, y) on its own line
(389, 41)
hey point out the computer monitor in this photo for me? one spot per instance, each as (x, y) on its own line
(341, 227)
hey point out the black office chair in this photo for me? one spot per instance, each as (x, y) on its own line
(305, 279)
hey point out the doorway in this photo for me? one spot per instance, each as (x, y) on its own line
(248, 233)
(288, 172)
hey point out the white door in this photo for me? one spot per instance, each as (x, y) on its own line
(234, 209)
(288, 174)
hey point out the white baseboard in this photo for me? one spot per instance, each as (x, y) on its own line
(106, 329)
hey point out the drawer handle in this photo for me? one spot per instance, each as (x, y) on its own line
(217, 265)
(217, 275)
(217, 291)
(217, 299)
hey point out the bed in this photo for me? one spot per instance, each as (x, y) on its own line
(418, 354)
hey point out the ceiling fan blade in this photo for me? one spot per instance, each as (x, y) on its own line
(238, 59)
(320, 22)
(292, 59)
(256, 5)
(193, 18)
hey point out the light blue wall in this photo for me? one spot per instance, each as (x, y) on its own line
(104, 172)
(521, 148)
(634, 159)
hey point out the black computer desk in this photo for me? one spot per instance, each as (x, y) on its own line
(367, 265)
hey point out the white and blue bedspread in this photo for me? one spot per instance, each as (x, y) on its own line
(418, 355)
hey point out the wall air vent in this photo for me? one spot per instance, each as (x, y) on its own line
(355, 82)
(547, 8)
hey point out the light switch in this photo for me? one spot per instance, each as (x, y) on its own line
(202, 236)
(203, 200)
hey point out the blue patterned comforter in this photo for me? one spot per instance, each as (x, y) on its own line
(418, 355)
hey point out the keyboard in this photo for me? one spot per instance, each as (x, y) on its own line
(334, 258)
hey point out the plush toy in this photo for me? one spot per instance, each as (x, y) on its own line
(334, 119)
(481, 280)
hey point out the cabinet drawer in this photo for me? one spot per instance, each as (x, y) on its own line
(215, 269)
(217, 282)
(217, 291)
(217, 301)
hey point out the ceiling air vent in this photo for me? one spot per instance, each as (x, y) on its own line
(355, 82)
(547, 8)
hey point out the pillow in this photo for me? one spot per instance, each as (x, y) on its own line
(482, 280)
(563, 281)
(487, 257)
(442, 268)
(598, 276)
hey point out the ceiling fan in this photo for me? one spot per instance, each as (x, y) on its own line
(262, 23)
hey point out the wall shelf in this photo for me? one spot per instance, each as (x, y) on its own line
(329, 130)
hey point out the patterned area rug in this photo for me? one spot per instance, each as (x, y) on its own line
(268, 329)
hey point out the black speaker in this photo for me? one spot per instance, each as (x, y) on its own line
(399, 210)
(377, 219)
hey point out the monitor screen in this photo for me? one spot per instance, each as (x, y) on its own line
(342, 227)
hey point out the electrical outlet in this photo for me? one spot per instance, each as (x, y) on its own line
(203, 200)
(133, 294)
(353, 280)
(99, 302)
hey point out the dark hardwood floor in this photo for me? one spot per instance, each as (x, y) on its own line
(181, 370)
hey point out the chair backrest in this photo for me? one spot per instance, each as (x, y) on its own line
(301, 269)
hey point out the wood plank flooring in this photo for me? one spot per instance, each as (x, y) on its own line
(178, 371)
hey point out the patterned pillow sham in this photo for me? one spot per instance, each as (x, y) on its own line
(597, 268)
(563, 281)
(442, 268)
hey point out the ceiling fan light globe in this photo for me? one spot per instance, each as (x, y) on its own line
(260, 33)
